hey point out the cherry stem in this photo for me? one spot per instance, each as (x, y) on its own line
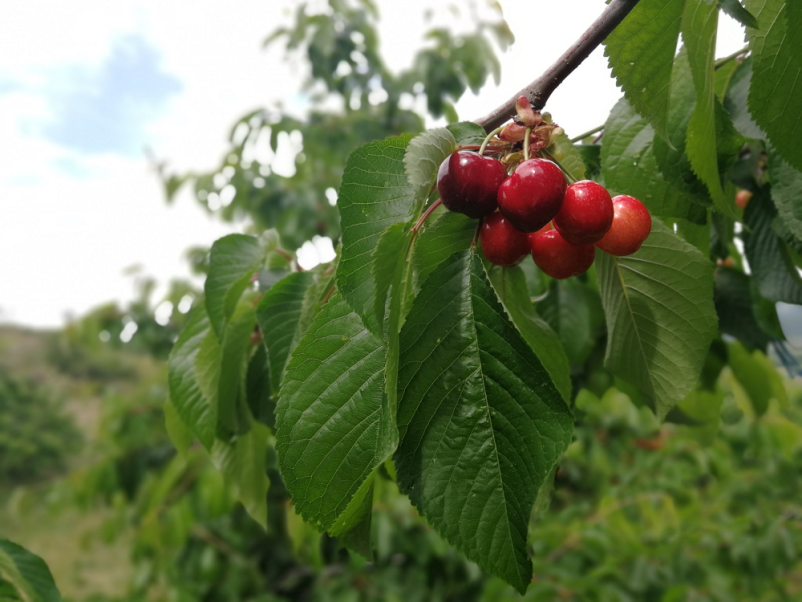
(329, 294)
(568, 175)
(285, 254)
(487, 140)
(723, 61)
(595, 130)
(426, 215)
(476, 233)
(478, 146)
(526, 143)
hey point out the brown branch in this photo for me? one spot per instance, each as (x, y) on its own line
(538, 91)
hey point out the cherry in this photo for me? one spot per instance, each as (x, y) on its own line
(532, 195)
(631, 225)
(468, 183)
(536, 233)
(586, 213)
(502, 243)
(559, 258)
(742, 197)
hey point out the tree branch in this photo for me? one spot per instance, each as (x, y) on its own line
(538, 91)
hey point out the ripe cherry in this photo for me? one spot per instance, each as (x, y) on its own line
(502, 243)
(586, 213)
(742, 197)
(532, 195)
(545, 228)
(559, 258)
(631, 226)
(468, 183)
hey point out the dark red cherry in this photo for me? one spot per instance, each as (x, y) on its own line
(559, 258)
(468, 183)
(502, 243)
(586, 213)
(532, 195)
(631, 226)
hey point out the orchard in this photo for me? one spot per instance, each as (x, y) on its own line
(418, 352)
(514, 316)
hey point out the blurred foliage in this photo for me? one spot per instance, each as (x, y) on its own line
(37, 437)
(352, 98)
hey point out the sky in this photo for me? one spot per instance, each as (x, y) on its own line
(91, 90)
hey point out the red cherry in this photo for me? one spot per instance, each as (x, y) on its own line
(468, 183)
(536, 233)
(631, 225)
(742, 197)
(532, 195)
(559, 258)
(502, 243)
(586, 213)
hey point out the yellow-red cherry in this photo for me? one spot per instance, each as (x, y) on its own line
(631, 226)
(468, 183)
(560, 259)
(532, 195)
(502, 243)
(586, 213)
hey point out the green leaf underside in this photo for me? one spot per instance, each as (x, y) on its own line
(629, 166)
(180, 436)
(27, 573)
(673, 163)
(772, 266)
(279, 314)
(775, 97)
(510, 286)
(242, 462)
(699, 25)
(786, 192)
(424, 155)
(331, 417)
(641, 52)
(232, 413)
(387, 261)
(735, 9)
(196, 410)
(752, 374)
(373, 196)
(567, 310)
(735, 308)
(736, 101)
(257, 388)
(232, 262)
(660, 316)
(481, 423)
(352, 527)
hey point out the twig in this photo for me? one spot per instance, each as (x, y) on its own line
(477, 232)
(328, 295)
(538, 91)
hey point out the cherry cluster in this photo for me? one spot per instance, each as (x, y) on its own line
(560, 225)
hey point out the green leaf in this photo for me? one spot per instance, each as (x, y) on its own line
(480, 421)
(510, 286)
(786, 192)
(258, 390)
(279, 314)
(467, 132)
(568, 309)
(629, 166)
(700, 412)
(641, 52)
(242, 462)
(27, 573)
(233, 260)
(352, 527)
(775, 97)
(735, 9)
(179, 433)
(769, 258)
(439, 240)
(672, 161)
(699, 25)
(562, 149)
(388, 260)
(373, 196)
(660, 316)
(736, 101)
(332, 420)
(757, 376)
(424, 155)
(196, 410)
(232, 403)
(591, 157)
(736, 309)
